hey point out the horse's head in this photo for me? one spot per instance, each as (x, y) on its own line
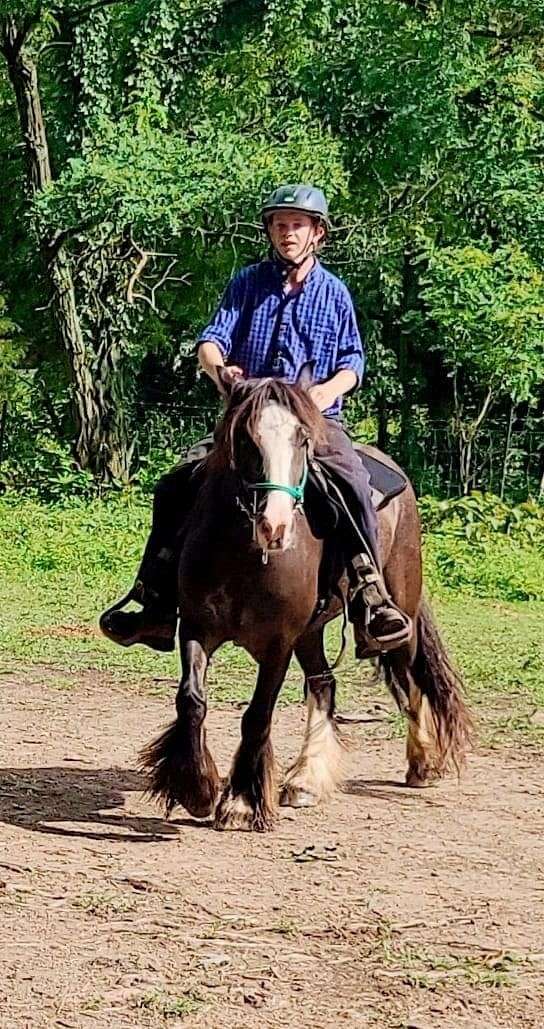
(268, 432)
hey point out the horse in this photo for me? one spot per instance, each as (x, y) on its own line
(249, 572)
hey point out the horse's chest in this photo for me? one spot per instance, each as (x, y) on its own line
(235, 598)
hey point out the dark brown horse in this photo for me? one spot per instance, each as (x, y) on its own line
(248, 573)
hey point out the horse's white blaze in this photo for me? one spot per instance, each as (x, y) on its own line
(318, 769)
(276, 433)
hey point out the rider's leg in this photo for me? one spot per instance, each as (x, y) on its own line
(155, 587)
(379, 624)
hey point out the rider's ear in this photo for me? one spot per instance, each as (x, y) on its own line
(306, 375)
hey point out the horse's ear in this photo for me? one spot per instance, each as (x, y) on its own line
(306, 375)
(226, 381)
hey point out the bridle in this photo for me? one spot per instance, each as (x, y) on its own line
(252, 489)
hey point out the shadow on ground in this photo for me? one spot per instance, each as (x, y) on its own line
(41, 799)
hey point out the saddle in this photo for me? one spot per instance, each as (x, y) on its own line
(386, 483)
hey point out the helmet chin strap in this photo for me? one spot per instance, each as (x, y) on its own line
(286, 264)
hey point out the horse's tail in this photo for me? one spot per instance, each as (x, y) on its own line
(442, 685)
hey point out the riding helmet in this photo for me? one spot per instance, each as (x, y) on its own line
(299, 197)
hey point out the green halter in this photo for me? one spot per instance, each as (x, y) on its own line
(296, 492)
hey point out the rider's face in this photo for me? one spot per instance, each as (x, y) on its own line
(292, 233)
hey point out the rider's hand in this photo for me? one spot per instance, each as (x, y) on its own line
(231, 372)
(322, 395)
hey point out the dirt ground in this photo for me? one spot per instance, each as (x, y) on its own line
(390, 908)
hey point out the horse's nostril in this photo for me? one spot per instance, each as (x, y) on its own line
(269, 534)
(266, 529)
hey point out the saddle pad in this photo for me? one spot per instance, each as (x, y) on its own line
(385, 482)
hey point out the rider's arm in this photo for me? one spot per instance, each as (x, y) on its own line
(349, 363)
(209, 358)
(216, 341)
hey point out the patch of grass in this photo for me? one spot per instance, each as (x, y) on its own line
(104, 905)
(420, 968)
(92, 1004)
(170, 1006)
(59, 567)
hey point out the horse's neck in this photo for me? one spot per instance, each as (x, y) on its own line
(217, 505)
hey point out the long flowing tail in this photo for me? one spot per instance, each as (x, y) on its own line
(442, 685)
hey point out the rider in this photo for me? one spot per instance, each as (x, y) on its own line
(275, 317)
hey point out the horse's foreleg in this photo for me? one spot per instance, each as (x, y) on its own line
(178, 764)
(249, 800)
(318, 769)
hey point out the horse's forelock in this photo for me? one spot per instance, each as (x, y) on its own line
(246, 406)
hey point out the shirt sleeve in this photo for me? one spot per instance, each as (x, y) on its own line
(221, 329)
(350, 352)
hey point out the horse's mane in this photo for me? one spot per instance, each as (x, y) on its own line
(245, 407)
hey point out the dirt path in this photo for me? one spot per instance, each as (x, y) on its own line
(392, 908)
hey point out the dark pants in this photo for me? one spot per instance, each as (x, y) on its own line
(176, 492)
(352, 478)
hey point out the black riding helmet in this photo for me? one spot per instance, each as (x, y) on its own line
(299, 197)
(306, 199)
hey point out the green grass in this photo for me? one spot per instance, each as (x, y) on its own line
(59, 567)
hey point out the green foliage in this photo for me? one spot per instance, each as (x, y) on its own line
(12, 349)
(483, 547)
(168, 121)
(490, 306)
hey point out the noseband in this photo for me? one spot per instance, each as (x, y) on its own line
(296, 492)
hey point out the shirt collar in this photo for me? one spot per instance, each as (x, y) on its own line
(313, 277)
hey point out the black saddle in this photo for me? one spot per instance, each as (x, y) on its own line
(385, 482)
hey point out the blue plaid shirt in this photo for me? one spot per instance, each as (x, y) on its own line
(270, 333)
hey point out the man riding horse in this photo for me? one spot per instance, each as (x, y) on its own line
(275, 318)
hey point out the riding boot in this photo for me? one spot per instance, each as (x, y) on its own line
(154, 626)
(379, 624)
(155, 588)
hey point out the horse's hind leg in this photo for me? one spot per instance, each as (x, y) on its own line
(421, 741)
(318, 769)
(429, 691)
(249, 800)
(178, 764)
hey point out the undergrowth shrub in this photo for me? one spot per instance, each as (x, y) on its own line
(482, 546)
(478, 545)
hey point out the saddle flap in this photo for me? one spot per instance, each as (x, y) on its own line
(386, 483)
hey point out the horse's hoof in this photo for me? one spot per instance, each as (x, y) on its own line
(200, 808)
(296, 796)
(421, 779)
(236, 813)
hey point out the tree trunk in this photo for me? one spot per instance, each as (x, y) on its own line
(407, 442)
(100, 444)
